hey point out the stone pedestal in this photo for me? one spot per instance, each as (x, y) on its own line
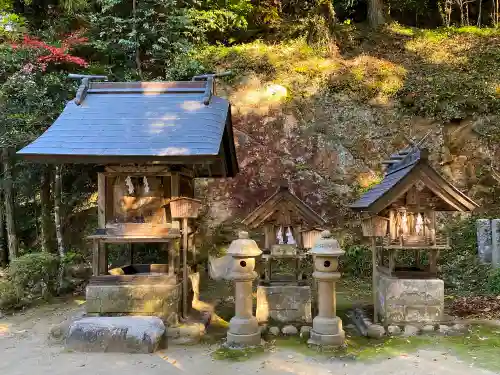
(410, 300)
(327, 327)
(243, 327)
(284, 303)
(495, 242)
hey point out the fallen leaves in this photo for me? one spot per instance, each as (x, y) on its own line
(476, 306)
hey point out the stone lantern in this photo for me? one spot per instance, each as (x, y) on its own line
(243, 327)
(327, 327)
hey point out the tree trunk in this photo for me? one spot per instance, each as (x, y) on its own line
(138, 61)
(4, 255)
(328, 12)
(376, 13)
(479, 13)
(57, 220)
(9, 204)
(46, 222)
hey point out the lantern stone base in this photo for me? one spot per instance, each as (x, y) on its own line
(410, 300)
(244, 340)
(284, 303)
(320, 339)
(243, 331)
(327, 332)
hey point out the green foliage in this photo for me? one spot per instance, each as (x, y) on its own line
(72, 257)
(9, 295)
(460, 267)
(356, 261)
(494, 281)
(140, 43)
(35, 274)
(215, 20)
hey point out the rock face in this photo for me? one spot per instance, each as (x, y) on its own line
(284, 303)
(410, 300)
(289, 330)
(116, 334)
(376, 331)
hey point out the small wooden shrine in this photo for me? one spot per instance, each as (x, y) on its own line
(399, 214)
(290, 227)
(150, 140)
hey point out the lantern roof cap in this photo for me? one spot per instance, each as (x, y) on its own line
(326, 245)
(244, 246)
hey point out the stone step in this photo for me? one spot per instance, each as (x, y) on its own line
(127, 334)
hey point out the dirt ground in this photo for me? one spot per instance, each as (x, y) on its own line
(24, 349)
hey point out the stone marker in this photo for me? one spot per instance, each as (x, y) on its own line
(274, 331)
(495, 242)
(411, 330)
(458, 327)
(289, 330)
(393, 330)
(128, 334)
(484, 240)
(376, 331)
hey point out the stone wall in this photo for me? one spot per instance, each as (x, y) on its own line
(284, 303)
(162, 300)
(410, 300)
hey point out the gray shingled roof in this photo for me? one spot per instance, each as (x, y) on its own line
(383, 187)
(120, 122)
(413, 164)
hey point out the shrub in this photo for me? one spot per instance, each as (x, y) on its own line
(357, 261)
(494, 281)
(35, 274)
(461, 269)
(10, 296)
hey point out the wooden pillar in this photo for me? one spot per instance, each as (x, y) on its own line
(374, 274)
(185, 267)
(269, 236)
(175, 188)
(432, 226)
(95, 258)
(130, 252)
(102, 256)
(171, 258)
(392, 260)
(392, 225)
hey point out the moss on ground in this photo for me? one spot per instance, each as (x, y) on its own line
(480, 346)
(232, 354)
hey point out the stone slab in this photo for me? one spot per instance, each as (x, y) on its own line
(410, 300)
(284, 303)
(495, 242)
(161, 300)
(116, 334)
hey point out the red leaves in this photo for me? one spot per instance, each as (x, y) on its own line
(51, 54)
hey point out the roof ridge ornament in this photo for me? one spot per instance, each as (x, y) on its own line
(210, 78)
(84, 85)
